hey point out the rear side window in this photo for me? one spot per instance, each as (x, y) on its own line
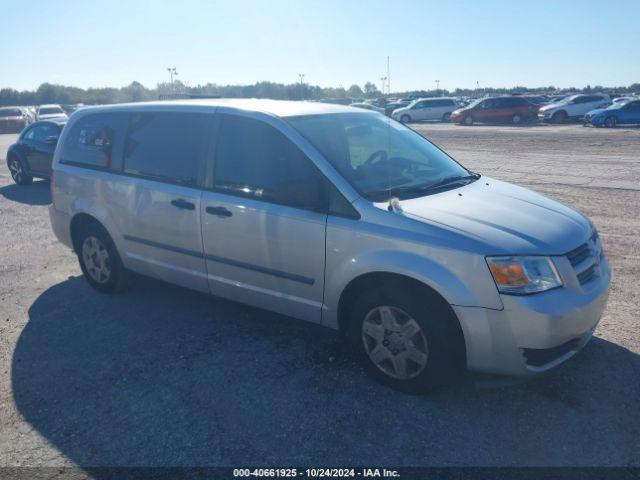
(254, 159)
(442, 103)
(96, 141)
(42, 132)
(166, 146)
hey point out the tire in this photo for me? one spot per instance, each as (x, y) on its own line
(559, 117)
(99, 259)
(405, 119)
(610, 122)
(446, 117)
(433, 340)
(468, 120)
(17, 170)
(516, 119)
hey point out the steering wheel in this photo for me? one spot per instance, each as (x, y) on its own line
(375, 157)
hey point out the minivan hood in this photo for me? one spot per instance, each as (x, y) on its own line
(508, 219)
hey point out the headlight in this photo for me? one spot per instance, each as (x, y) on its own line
(524, 275)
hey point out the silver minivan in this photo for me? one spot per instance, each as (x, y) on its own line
(439, 108)
(335, 216)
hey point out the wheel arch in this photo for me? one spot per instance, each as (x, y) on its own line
(78, 222)
(397, 280)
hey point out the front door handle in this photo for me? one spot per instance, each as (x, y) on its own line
(219, 211)
(183, 204)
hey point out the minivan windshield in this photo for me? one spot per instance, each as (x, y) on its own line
(380, 157)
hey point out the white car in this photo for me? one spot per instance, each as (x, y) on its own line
(46, 112)
(426, 109)
(575, 106)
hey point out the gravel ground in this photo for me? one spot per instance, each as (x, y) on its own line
(161, 376)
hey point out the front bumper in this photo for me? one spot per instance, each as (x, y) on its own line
(544, 116)
(534, 333)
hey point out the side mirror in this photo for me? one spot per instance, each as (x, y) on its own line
(52, 140)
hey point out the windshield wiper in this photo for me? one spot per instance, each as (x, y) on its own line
(450, 180)
(412, 189)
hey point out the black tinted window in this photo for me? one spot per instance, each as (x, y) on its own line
(167, 146)
(95, 140)
(42, 132)
(442, 103)
(256, 160)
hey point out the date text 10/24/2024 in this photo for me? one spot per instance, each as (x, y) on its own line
(316, 472)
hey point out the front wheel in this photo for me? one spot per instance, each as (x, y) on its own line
(99, 259)
(516, 119)
(404, 340)
(610, 122)
(468, 120)
(18, 172)
(559, 117)
(405, 119)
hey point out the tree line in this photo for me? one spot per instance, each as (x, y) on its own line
(136, 92)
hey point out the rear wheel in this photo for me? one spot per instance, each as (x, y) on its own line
(405, 119)
(18, 172)
(405, 340)
(99, 259)
(610, 122)
(559, 117)
(446, 117)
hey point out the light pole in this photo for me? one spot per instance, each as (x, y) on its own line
(172, 71)
(438, 86)
(383, 80)
(301, 75)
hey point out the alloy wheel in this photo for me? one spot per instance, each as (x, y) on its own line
(15, 167)
(96, 259)
(395, 342)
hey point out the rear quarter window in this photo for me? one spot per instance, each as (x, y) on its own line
(96, 141)
(167, 146)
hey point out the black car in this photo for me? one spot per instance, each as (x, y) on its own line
(32, 154)
(391, 106)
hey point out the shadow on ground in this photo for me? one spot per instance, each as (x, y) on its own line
(38, 193)
(161, 376)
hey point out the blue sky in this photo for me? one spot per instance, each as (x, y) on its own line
(333, 42)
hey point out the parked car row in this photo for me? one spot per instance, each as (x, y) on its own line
(597, 109)
(15, 119)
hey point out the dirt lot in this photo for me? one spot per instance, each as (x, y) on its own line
(164, 376)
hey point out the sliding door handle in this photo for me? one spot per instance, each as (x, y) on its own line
(219, 211)
(183, 204)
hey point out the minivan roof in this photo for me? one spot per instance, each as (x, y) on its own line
(279, 108)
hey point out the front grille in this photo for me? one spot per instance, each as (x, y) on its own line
(587, 275)
(587, 258)
(579, 254)
(537, 357)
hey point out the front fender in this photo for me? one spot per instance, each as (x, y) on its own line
(459, 277)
